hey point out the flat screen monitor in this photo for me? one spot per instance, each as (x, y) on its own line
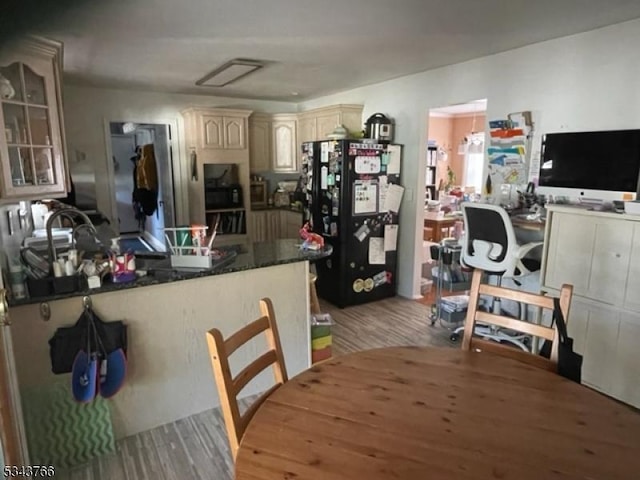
(590, 165)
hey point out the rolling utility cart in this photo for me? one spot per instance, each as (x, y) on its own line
(449, 276)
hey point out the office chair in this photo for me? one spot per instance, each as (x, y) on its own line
(490, 244)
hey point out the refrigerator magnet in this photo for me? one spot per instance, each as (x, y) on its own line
(331, 180)
(379, 279)
(334, 229)
(362, 232)
(358, 285)
(368, 284)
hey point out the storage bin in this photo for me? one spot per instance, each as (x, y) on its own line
(321, 339)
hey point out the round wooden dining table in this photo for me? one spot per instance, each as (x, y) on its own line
(435, 413)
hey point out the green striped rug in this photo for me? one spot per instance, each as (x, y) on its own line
(62, 432)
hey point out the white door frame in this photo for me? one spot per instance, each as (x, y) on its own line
(181, 199)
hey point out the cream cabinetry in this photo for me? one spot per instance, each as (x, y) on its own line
(284, 143)
(260, 142)
(216, 135)
(599, 254)
(273, 143)
(32, 142)
(318, 123)
(222, 131)
(275, 138)
(290, 223)
(269, 225)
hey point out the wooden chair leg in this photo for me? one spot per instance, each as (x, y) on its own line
(314, 303)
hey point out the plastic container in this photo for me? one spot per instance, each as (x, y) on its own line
(321, 338)
(17, 279)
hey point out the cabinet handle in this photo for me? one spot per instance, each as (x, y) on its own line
(194, 166)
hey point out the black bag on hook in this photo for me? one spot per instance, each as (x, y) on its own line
(68, 341)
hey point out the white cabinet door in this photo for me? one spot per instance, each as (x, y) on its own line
(234, 133)
(353, 121)
(284, 146)
(632, 294)
(626, 375)
(259, 145)
(306, 130)
(273, 225)
(599, 350)
(325, 124)
(570, 252)
(610, 261)
(259, 226)
(211, 131)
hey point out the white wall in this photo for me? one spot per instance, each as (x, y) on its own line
(86, 109)
(586, 81)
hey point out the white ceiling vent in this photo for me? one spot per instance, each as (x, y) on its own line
(230, 72)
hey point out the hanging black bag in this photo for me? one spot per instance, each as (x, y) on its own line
(68, 341)
(569, 362)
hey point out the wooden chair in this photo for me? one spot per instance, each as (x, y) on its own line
(474, 315)
(228, 387)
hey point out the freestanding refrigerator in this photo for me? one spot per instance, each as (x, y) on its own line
(352, 199)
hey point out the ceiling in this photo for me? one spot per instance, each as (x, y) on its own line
(312, 47)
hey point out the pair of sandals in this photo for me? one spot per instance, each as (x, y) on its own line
(96, 372)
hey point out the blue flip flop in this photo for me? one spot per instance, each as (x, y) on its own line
(114, 368)
(84, 375)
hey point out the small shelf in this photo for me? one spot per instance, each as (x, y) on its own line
(221, 210)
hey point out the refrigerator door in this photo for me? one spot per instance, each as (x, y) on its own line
(353, 179)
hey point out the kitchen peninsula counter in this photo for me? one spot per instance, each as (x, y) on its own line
(169, 374)
(256, 255)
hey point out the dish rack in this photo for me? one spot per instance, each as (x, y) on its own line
(187, 248)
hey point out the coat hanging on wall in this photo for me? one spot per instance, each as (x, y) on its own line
(145, 193)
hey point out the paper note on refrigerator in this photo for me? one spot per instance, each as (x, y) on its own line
(324, 173)
(324, 152)
(393, 198)
(376, 251)
(390, 238)
(394, 160)
(365, 197)
(382, 197)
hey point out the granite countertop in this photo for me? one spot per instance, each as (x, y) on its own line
(237, 258)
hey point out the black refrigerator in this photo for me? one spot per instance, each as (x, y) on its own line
(352, 199)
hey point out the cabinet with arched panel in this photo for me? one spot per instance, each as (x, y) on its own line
(32, 146)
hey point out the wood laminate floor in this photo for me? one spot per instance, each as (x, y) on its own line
(196, 447)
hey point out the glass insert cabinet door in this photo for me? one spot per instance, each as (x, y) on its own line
(30, 128)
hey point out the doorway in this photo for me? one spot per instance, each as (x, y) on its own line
(141, 219)
(455, 160)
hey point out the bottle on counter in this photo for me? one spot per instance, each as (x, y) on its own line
(17, 279)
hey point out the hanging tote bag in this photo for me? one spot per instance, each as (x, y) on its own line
(569, 362)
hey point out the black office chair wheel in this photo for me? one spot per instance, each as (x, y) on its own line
(454, 337)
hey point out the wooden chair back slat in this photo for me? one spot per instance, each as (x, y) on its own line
(469, 342)
(228, 386)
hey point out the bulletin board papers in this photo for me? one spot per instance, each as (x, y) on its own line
(383, 187)
(393, 198)
(367, 165)
(376, 251)
(390, 238)
(365, 197)
(393, 168)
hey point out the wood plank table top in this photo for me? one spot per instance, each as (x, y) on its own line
(431, 413)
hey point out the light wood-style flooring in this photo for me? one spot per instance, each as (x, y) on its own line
(196, 447)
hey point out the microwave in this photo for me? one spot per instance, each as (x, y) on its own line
(229, 196)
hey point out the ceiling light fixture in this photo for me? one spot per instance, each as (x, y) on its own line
(230, 72)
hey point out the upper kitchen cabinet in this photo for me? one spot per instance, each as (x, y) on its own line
(216, 133)
(260, 142)
(32, 143)
(317, 124)
(284, 144)
(273, 142)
